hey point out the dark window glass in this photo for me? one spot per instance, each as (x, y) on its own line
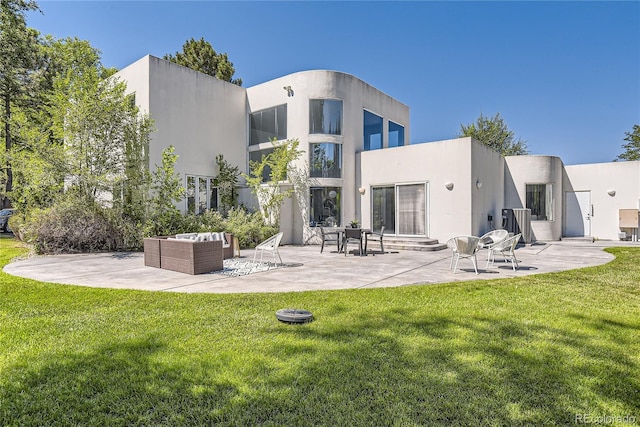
(268, 124)
(325, 206)
(396, 135)
(213, 195)
(191, 194)
(256, 156)
(202, 195)
(325, 116)
(384, 209)
(540, 201)
(325, 160)
(372, 131)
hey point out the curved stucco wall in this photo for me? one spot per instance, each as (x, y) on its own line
(523, 170)
(356, 96)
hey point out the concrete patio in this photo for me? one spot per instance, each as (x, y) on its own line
(308, 270)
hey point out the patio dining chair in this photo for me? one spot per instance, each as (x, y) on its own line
(464, 247)
(352, 235)
(375, 237)
(507, 248)
(269, 245)
(329, 236)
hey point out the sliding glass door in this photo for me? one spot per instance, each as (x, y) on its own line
(412, 209)
(401, 208)
(384, 209)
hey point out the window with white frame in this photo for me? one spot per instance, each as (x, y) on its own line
(540, 201)
(201, 194)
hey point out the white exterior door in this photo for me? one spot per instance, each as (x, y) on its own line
(577, 213)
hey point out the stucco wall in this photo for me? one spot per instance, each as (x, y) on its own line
(488, 170)
(436, 163)
(599, 179)
(523, 170)
(200, 115)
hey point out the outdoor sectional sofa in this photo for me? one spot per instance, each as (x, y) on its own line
(195, 253)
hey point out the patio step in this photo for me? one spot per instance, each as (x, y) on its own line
(413, 244)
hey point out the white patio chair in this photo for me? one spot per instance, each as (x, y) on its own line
(269, 245)
(491, 238)
(464, 247)
(507, 248)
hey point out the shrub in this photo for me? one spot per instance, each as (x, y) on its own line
(249, 228)
(71, 226)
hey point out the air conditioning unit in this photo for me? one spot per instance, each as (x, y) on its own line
(508, 222)
(522, 219)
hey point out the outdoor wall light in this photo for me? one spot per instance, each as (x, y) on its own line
(362, 190)
(289, 90)
(611, 193)
(478, 184)
(448, 185)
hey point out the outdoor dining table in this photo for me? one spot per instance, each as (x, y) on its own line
(341, 230)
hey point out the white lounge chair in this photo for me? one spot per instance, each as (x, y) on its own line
(507, 248)
(464, 247)
(269, 245)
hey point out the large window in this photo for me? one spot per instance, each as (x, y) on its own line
(325, 116)
(372, 131)
(325, 206)
(201, 194)
(396, 135)
(325, 160)
(268, 124)
(540, 201)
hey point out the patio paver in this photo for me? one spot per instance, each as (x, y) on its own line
(308, 270)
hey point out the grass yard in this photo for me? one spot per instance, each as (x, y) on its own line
(550, 349)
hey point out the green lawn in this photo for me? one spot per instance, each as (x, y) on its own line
(530, 351)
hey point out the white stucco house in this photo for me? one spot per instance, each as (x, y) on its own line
(360, 163)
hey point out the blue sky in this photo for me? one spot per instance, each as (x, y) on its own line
(565, 76)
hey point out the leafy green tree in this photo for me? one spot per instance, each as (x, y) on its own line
(226, 182)
(87, 137)
(18, 57)
(95, 119)
(632, 148)
(166, 190)
(495, 134)
(270, 194)
(199, 55)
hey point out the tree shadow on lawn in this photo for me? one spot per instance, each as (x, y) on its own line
(396, 369)
(121, 384)
(392, 368)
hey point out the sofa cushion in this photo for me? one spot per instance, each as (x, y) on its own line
(221, 236)
(190, 236)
